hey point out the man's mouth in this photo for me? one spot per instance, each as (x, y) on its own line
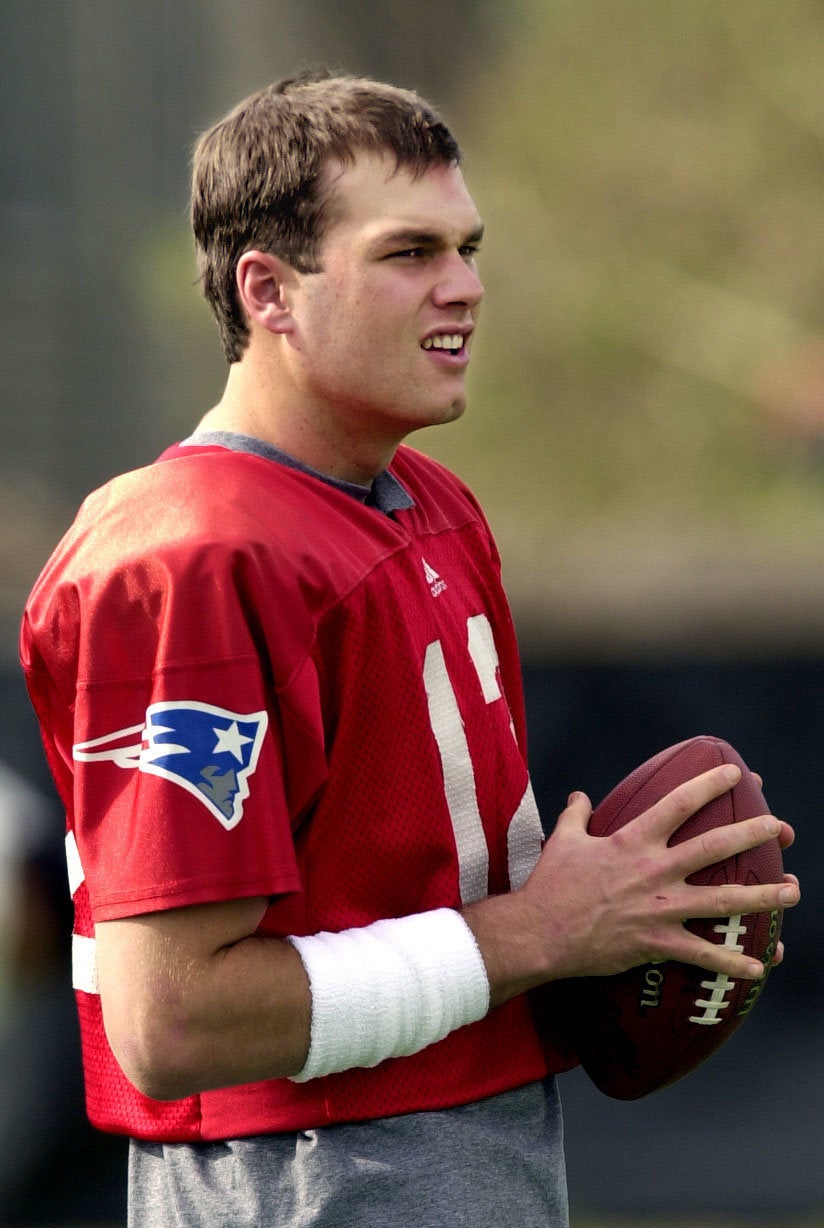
(453, 343)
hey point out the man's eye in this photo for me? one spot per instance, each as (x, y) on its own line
(408, 253)
(470, 250)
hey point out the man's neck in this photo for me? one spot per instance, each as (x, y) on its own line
(250, 405)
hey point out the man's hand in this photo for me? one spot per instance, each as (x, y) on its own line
(597, 905)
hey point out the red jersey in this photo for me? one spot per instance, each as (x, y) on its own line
(249, 684)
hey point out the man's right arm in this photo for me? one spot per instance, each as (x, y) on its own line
(194, 999)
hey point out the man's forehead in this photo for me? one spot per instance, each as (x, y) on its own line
(375, 193)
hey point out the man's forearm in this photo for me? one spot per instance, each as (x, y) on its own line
(187, 1010)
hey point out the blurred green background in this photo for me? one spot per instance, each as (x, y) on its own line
(646, 423)
(648, 383)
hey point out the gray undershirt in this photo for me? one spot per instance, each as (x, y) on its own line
(384, 492)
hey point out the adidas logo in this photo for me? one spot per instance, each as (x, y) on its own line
(436, 584)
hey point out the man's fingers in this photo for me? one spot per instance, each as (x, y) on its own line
(667, 815)
(577, 812)
(719, 843)
(729, 899)
(718, 959)
(786, 836)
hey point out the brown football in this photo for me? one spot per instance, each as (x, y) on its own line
(643, 1029)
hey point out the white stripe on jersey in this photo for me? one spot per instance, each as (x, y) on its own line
(84, 964)
(76, 874)
(524, 840)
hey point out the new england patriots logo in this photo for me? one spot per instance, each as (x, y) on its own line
(210, 752)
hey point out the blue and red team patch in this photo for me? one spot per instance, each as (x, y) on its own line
(209, 751)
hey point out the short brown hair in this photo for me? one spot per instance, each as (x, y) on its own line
(258, 173)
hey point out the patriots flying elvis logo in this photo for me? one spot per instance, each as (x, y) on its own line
(210, 752)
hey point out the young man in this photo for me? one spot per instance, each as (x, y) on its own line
(280, 693)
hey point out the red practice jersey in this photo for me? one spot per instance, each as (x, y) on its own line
(250, 684)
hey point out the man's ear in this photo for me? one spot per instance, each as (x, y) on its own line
(263, 285)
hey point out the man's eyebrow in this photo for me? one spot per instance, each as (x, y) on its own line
(424, 238)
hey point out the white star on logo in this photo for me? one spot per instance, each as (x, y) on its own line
(230, 740)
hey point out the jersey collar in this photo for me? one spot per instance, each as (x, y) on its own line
(385, 493)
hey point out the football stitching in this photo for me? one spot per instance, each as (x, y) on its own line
(721, 984)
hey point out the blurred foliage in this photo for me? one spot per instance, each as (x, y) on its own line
(652, 174)
(646, 420)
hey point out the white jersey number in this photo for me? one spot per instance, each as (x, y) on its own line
(524, 834)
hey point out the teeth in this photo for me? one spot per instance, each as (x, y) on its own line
(448, 341)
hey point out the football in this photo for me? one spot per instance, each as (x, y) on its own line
(643, 1029)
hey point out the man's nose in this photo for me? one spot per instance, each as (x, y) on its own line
(458, 283)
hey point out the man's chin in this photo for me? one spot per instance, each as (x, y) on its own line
(451, 412)
(438, 415)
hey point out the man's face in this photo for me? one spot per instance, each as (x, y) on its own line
(382, 333)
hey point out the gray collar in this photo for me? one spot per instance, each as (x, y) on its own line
(385, 493)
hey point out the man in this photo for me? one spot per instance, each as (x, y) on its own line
(280, 692)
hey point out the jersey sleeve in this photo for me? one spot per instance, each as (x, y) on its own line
(178, 730)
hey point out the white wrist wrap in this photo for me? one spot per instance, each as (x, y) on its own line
(389, 989)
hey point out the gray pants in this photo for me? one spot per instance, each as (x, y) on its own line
(498, 1161)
